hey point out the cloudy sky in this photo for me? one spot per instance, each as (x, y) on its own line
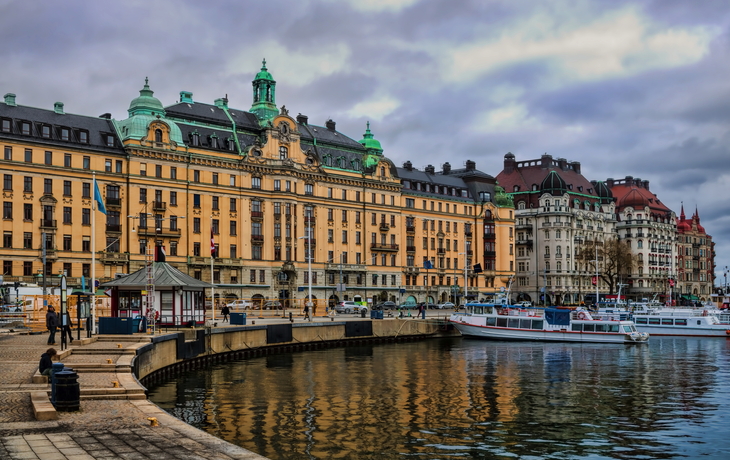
(634, 87)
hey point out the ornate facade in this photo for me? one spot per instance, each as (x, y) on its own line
(695, 260)
(250, 183)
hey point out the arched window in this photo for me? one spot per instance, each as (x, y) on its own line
(158, 135)
(516, 188)
(640, 244)
(521, 205)
(283, 153)
(382, 171)
(557, 234)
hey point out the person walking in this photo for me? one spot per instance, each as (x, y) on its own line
(51, 325)
(306, 312)
(66, 328)
(225, 311)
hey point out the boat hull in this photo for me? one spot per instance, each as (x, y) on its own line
(685, 331)
(501, 333)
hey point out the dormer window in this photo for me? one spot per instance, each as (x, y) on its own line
(109, 140)
(356, 165)
(6, 125)
(283, 153)
(65, 134)
(516, 188)
(534, 187)
(196, 139)
(84, 137)
(231, 144)
(158, 135)
(382, 171)
(214, 141)
(25, 128)
(46, 131)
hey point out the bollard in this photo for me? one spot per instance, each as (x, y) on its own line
(291, 318)
(115, 384)
(108, 361)
(68, 394)
(153, 421)
(119, 345)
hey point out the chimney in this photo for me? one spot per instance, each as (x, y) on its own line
(446, 168)
(509, 163)
(470, 165)
(609, 182)
(545, 161)
(646, 185)
(563, 164)
(106, 116)
(430, 170)
(302, 119)
(10, 99)
(186, 96)
(576, 166)
(408, 166)
(329, 124)
(58, 107)
(221, 103)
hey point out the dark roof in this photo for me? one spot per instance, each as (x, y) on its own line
(98, 128)
(212, 114)
(163, 275)
(336, 138)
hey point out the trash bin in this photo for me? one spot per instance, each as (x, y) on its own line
(68, 393)
(379, 314)
(363, 312)
(238, 319)
(111, 325)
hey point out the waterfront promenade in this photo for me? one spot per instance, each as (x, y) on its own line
(114, 416)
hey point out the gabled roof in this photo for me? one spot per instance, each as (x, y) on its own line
(164, 275)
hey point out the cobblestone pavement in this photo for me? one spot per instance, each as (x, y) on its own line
(108, 429)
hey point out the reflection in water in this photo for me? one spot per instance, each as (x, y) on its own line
(467, 399)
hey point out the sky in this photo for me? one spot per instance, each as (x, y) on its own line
(626, 87)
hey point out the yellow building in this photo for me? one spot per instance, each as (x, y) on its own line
(250, 182)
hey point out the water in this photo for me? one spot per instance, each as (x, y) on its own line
(468, 399)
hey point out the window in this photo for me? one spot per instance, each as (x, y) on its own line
(256, 183)
(233, 229)
(173, 172)
(7, 239)
(109, 140)
(48, 158)
(27, 184)
(86, 244)
(6, 125)
(196, 224)
(86, 216)
(158, 170)
(86, 190)
(233, 205)
(28, 156)
(214, 204)
(196, 175)
(344, 194)
(25, 128)
(283, 153)
(83, 137)
(8, 152)
(173, 248)
(48, 186)
(344, 215)
(108, 165)
(196, 249)
(196, 200)
(308, 189)
(215, 178)
(173, 198)
(344, 236)
(8, 182)
(28, 240)
(143, 195)
(67, 214)
(86, 162)
(277, 185)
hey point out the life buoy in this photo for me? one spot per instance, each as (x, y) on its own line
(727, 332)
(582, 315)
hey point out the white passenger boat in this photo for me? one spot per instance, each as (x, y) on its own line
(680, 322)
(507, 322)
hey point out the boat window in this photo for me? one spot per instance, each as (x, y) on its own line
(479, 310)
(699, 322)
(640, 320)
(514, 322)
(613, 328)
(680, 322)
(653, 320)
(667, 321)
(502, 322)
(627, 328)
(601, 327)
(537, 324)
(488, 310)
(589, 327)
(491, 321)
(576, 327)
(525, 323)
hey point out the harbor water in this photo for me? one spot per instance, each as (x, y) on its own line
(470, 399)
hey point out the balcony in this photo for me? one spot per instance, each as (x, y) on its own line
(467, 232)
(159, 206)
(113, 202)
(411, 248)
(490, 254)
(114, 228)
(384, 227)
(410, 228)
(162, 232)
(490, 236)
(310, 221)
(257, 215)
(51, 254)
(257, 239)
(384, 247)
(308, 241)
(524, 242)
(345, 267)
(523, 226)
(114, 257)
(48, 223)
(441, 251)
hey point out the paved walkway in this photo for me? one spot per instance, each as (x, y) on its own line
(102, 428)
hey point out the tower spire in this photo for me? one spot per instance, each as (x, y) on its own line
(264, 95)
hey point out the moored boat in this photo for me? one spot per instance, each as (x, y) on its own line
(680, 322)
(508, 322)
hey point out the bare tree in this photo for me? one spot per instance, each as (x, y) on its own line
(614, 257)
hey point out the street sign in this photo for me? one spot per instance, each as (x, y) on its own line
(108, 292)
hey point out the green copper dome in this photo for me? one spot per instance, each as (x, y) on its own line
(371, 144)
(143, 110)
(146, 103)
(264, 73)
(502, 199)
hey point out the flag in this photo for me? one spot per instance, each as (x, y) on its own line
(478, 268)
(97, 197)
(671, 282)
(212, 243)
(594, 280)
(427, 264)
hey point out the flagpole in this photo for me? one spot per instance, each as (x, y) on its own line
(212, 278)
(93, 255)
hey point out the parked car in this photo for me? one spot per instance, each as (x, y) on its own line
(430, 306)
(272, 305)
(348, 306)
(239, 304)
(408, 306)
(446, 305)
(524, 303)
(387, 305)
